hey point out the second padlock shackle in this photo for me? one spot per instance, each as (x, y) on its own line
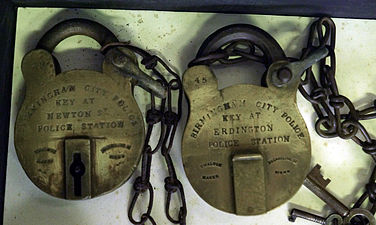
(211, 49)
(104, 37)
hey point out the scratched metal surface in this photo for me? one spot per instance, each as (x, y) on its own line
(177, 36)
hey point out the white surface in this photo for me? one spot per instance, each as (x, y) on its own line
(177, 37)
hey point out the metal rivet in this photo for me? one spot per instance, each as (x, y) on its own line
(284, 74)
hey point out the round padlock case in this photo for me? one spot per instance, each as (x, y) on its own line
(78, 134)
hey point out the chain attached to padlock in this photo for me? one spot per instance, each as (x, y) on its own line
(337, 115)
(80, 134)
(333, 120)
(168, 120)
(324, 96)
(246, 148)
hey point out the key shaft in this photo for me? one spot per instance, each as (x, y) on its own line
(296, 213)
(313, 184)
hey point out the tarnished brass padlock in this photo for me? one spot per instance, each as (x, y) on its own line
(246, 148)
(79, 133)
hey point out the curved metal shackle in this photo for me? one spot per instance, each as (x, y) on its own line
(103, 36)
(73, 27)
(243, 32)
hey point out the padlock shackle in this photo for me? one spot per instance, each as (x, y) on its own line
(73, 27)
(240, 32)
(104, 37)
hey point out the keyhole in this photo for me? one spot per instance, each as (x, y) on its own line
(77, 170)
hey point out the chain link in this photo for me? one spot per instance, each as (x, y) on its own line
(325, 98)
(231, 54)
(168, 120)
(171, 119)
(337, 116)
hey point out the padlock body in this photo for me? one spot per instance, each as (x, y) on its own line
(246, 148)
(78, 119)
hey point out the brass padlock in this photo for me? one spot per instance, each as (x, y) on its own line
(246, 148)
(79, 134)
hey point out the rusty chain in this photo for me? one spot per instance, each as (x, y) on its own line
(328, 104)
(337, 115)
(168, 119)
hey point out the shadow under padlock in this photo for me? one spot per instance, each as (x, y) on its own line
(246, 148)
(79, 134)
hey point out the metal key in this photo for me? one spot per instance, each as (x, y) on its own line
(333, 219)
(317, 184)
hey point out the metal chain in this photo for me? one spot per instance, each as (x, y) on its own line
(231, 54)
(331, 107)
(168, 120)
(324, 96)
(337, 115)
(172, 184)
